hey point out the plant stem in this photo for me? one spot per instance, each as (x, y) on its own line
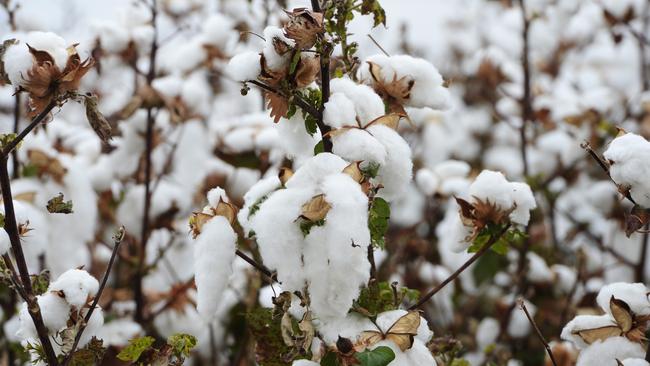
(14, 154)
(256, 265)
(539, 333)
(526, 102)
(116, 246)
(461, 269)
(140, 271)
(21, 136)
(11, 227)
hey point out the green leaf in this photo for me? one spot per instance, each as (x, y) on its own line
(294, 62)
(319, 147)
(311, 124)
(135, 348)
(330, 359)
(256, 206)
(6, 138)
(182, 344)
(58, 205)
(306, 225)
(378, 217)
(380, 356)
(459, 362)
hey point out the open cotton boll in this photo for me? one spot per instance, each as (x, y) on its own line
(279, 237)
(335, 254)
(253, 196)
(368, 106)
(493, 187)
(386, 319)
(296, 141)
(76, 285)
(358, 145)
(93, 326)
(606, 353)
(274, 60)
(487, 332)
(5, 243)
(427, 89)
(118, 332)
(18, 61)
(635, 362)
(634, 294)
(339, 111)
(427, 181)
(314, 170)
(55, 311)
(396, 172)
(244, 66)
(214, 253)
(519, 325)
(629, 165)
(218, 30)
(581, 322)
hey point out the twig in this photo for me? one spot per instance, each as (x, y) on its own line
(520, 301)
(526, 101)
(14, 154)
(138, 291)
(117, 240)
(640, 268)
(11, 227)
(35, 122)
(462, 268)
(603, 164)
(378, 45)
(256, 265)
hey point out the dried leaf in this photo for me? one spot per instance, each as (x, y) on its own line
(227, 210)
(286, 327)
(284, 175)
(636, 220)
(621, 313)
(45, 165)
(316, 209)
(402, 332)
(390, 120)
(278, 105)
(354, 171)
(308, 69)
(304, 27)
(58, 205)
(197, 220)
(598, 334)
(396, 92)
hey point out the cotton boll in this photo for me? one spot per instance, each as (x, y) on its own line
(279, 237)
(296, 141)
(358, 145)
(566, 277)
(367, 104)
(244, 66)
(606, 353)
(629, 167)
(634, 294)
(314, 170)
(274, 60)
(260, 189)
(215, 195)
(493, 187)
(519, 325)
(396, 173)
(93, 326)
(54, 310)
(17, 62)
(427, 181)
(76, 285)
(452, 168)
(581, 322)
(487, 332)
(5, 243)
(335, 254)
(118, 332)
(538, 270)
(339, 111)
(218, 30)
(304, 363)
(351, 326)
(635, 362)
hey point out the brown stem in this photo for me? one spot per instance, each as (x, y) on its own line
(256, 265)
(140, 271)
(640, 268)
(117, 240)
(11, 227)
(35, 122)
(526, 102)
(462, 268)
(539, 333)
(371, 259)
(14, 154)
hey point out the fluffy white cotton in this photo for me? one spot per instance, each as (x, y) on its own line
(629, 166)
(335, 254)
(18, 60)
(367, 104)
(244, 66)
(339, 111)
(358, 145)
(397, 171)
(493, 187)
(635, 362)
(581, 322)
(427, 91)
(607, 352)
(77, 286)
(255, 195)
(274, 60)
(5, 243)
(634, 294)
(214, 253)
(487, 332)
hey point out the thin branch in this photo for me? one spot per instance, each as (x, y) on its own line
(378, 45)
(526, 101)
(117, 240)
(462, 268)
(11, 227)
(603, 164)
(14, 154)
(21, 136)
(256, 265)
(640, 268)
(539, 333)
